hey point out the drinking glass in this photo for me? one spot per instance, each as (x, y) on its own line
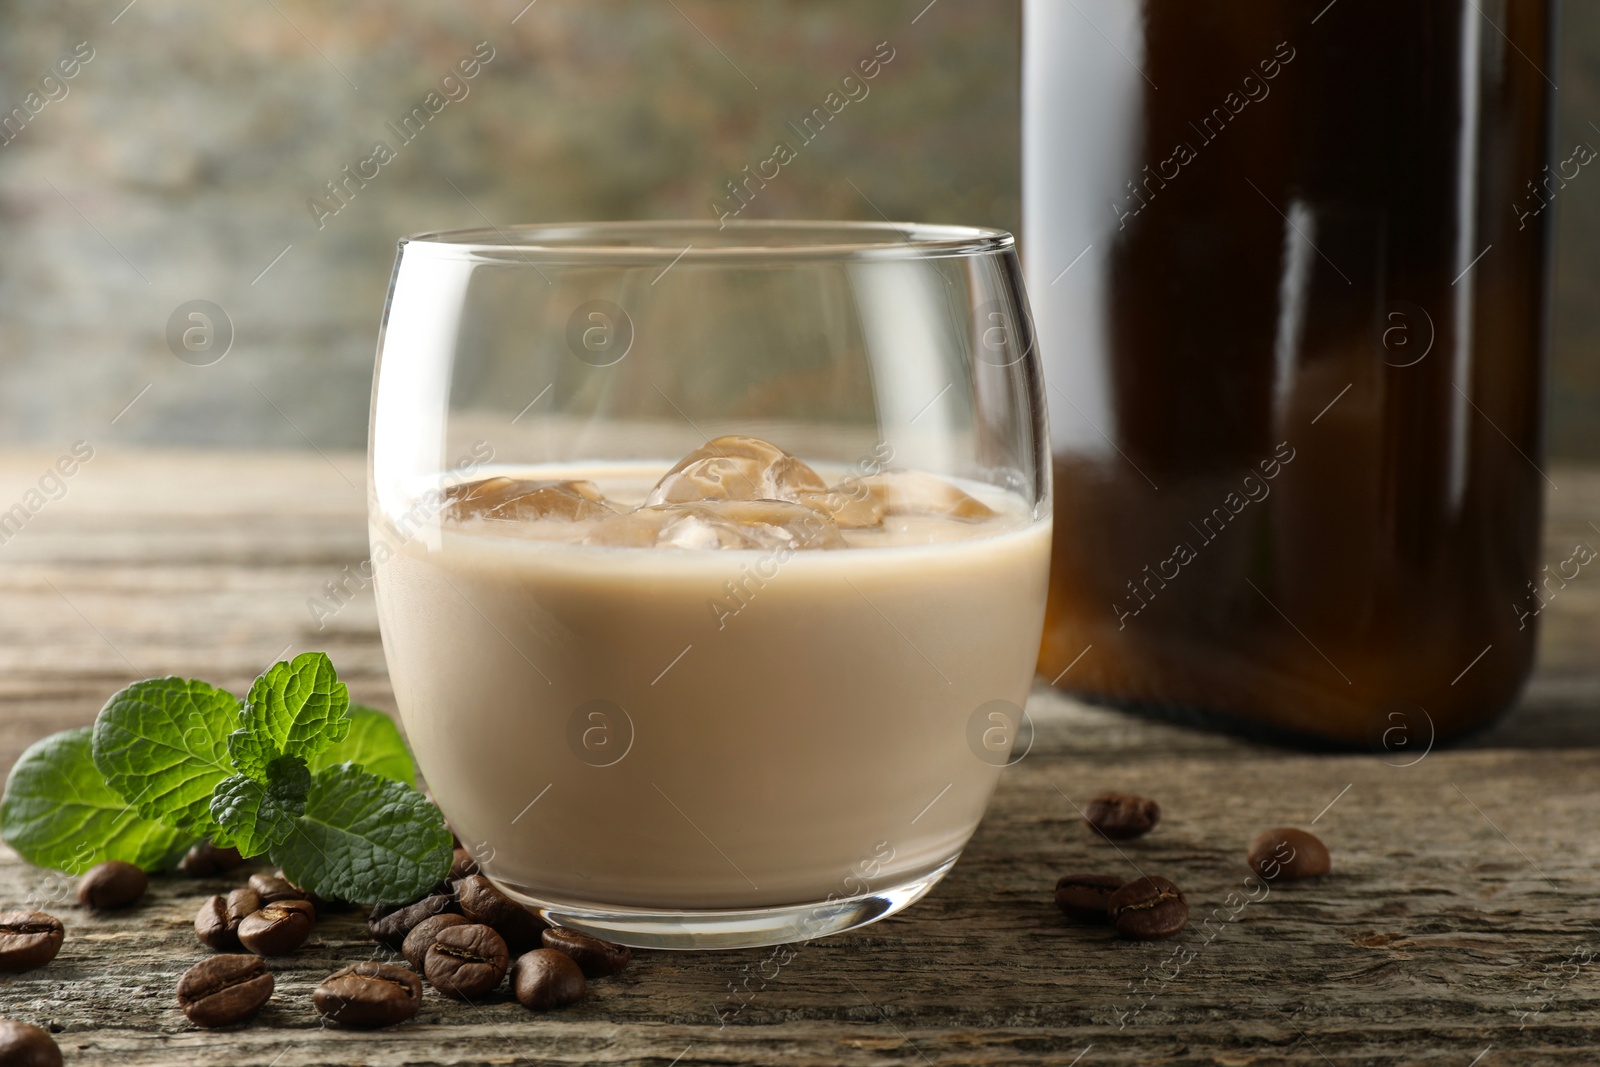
(684, 746)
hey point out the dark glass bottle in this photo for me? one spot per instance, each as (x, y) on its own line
(1296, 370)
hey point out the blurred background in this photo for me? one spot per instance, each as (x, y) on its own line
(189, 158)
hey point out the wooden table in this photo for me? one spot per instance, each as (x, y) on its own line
(1459, 928)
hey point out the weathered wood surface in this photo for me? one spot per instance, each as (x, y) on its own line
(1460, 922)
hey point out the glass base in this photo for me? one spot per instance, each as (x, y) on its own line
(741, 928)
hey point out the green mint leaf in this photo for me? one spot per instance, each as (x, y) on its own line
(253, 815)
(374, 744)
(365, 839)
(58, 812)
(294, 709)
(162, 745)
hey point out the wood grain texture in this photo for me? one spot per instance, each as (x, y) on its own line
(1460, 916)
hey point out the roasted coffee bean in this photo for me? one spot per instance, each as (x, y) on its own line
(596, 958)
(242, 902)
(206, 859)
(481, 902)
(544, 979)
(415, 947)
(223, 990)
(22, 1045)
(462, 865)
(1147, 909)
(369, 994)
(28, 939)
(275, 887)
(112, 884)
(278, 928)
(466, 961)
(1122, 815)
(216, 924)
(212, 926)
(1083, 896)
(390, 923)
(1287, 854)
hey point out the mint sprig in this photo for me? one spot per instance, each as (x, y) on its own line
(58, 812)
(162, 745)
(374, 744)
(292, 772)
(294, 709)
(359, 828)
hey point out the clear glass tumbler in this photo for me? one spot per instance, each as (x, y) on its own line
(711, 561)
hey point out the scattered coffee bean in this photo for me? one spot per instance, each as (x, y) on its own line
(596, 958)
(212, 927)
(1147, 909)
(1287, 854)
(482, 903)
(466, 961)
(462, 865)
(369, 994)
(275, 887)
(1084, 896)
(1122, 815)
(223, 990)
(206, 859)
(23, 1045)
(278, 928)
(242, 902)
(216, 924)
(28, 939)
(544, 979)
(415, 947)
(112, 884)
(390, 923)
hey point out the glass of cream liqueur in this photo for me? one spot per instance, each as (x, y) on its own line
(711, 561)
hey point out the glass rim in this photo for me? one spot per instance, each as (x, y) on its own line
(675, 239)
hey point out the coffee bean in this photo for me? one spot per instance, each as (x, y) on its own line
(390, 923)
(28, 939)
(112, 884)
(596, 958)
(216, 924)
(23, 1045)
(1287, 854)
(275, 887)
(1122, 815)
(544, 979)
(212, 927)
(223, 990)
(278, 928)
(466, 961)
(242, 902)
(415, 947)
(206, 859)
(1147, 909)
(1083, 896)
(481, 902)
(369, 994)
(462, 865)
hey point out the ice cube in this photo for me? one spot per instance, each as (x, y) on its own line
(864, 502)
(735, 468)
(768, 524)
(852, 505)
(517, 499)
